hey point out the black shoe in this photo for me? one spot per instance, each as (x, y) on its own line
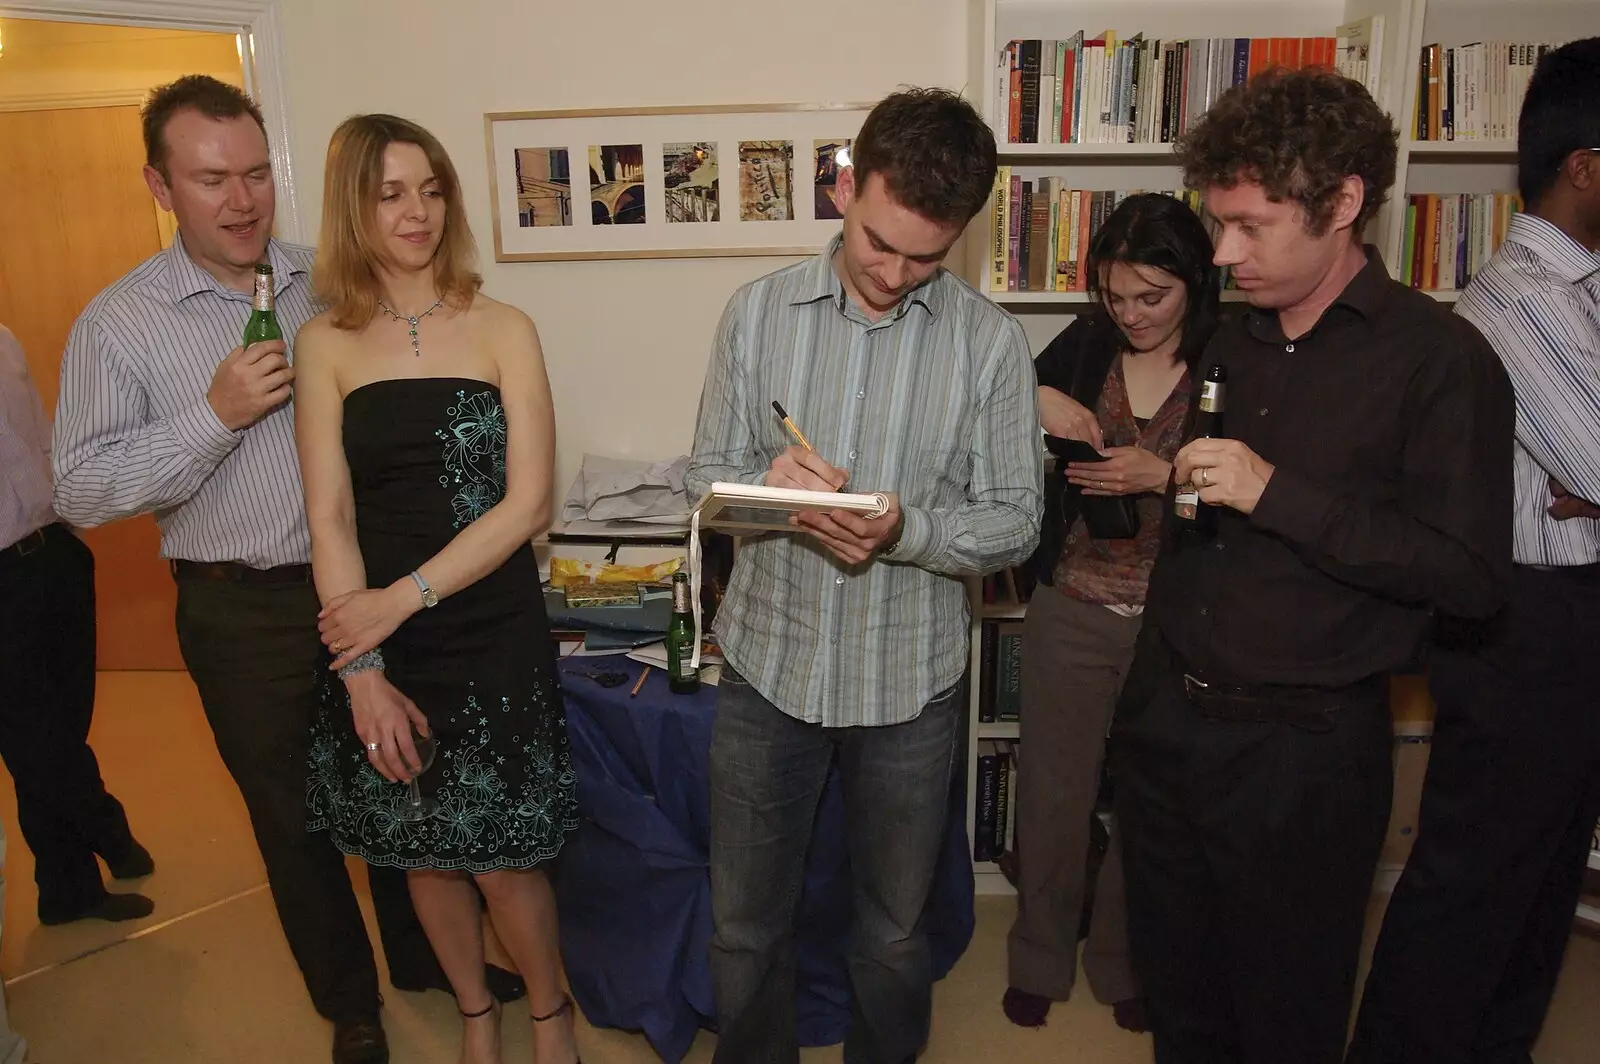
(360, 1042)
(505, 986)
(113, 907)
(136, 863)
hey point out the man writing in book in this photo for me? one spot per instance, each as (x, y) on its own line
(1364, 483)
(849, 638)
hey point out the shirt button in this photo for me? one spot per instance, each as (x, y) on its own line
(1289, 348)
(834, 640)
(852, 455)
(1204, 612)
(861, 394)
(1263, 411)
(1219, 546)
(838, 579)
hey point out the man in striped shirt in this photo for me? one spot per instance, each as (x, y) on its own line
(1475, 933)
(849, 637)
(161, 410)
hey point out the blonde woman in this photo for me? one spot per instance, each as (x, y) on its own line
(426, 439)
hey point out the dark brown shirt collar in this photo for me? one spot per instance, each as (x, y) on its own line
(1365, 296)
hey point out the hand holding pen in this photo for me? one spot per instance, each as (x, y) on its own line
(801, 467)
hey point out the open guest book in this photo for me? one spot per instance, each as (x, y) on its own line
(758, 508)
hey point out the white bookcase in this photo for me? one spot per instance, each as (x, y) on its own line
(1460, 165)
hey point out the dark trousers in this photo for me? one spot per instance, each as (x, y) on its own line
(1075, 656)
(254, 653)
(1474, 936)
(768, 771)
(47, 660)
(1249, 851)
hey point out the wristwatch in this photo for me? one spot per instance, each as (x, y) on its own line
(430, 597)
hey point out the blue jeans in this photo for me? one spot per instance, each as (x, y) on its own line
(768, 771)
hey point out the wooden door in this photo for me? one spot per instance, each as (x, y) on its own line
(74, 216)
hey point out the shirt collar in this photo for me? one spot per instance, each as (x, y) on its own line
(821, 282)
(1366, 293)
(1566, 258)
(188, 279)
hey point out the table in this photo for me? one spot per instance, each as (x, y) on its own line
(633, 886)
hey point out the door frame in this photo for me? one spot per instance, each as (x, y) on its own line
(255, 22)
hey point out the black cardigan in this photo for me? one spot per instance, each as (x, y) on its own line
(1075, 362)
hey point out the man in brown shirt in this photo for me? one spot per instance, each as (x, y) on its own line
(1366, 481)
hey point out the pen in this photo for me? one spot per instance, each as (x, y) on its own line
(790, 424)
(643, 676)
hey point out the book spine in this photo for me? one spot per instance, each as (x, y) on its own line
(1030, 92)
(986, 804)
(989, 651)
(1001, 243)
(1002, 802)
(1008, 693)
(1025, 238)
(1013, 233)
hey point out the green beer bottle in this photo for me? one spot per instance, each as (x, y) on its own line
(263, 323)
(682, 676)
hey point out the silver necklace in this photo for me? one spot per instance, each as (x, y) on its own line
(416, 347)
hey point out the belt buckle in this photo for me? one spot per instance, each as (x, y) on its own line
(30, 543)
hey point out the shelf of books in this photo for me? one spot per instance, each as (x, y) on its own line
(1000, 603)
(1466, 67)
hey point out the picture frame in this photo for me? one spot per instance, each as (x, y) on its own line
(666, 182)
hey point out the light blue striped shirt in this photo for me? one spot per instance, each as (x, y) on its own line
(135, 433)
(936, 403)
(1538, 303)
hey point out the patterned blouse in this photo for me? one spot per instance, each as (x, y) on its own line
(1115, 572)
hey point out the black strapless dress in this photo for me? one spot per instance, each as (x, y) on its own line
(427, 458)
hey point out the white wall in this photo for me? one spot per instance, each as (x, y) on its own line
(626, 341)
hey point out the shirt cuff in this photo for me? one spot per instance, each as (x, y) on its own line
(1293, 508)
(919, 538)
(203, 434)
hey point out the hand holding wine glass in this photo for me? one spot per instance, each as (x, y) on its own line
(386, 722)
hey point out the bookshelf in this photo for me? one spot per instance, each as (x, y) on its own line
(1483, 165)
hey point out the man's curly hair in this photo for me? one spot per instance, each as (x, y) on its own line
(1298, 135)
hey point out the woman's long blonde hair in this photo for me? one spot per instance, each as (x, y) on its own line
(345, 276)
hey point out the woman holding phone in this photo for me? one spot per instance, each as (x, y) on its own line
(1114, 398)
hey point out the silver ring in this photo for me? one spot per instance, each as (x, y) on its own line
(372, 748)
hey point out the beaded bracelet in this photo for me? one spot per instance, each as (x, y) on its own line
(372, 659)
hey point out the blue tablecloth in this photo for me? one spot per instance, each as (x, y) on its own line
(634, 890)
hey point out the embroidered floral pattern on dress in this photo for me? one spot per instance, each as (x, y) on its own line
(492, 814)
(474, 455)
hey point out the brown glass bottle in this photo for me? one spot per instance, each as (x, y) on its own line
(1193, 514)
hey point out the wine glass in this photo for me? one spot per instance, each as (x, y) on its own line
(417, 808)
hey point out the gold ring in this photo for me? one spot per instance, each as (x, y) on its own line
(1205, 477)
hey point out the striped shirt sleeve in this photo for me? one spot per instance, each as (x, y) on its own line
(999, 524)
(1552, 355)
(111, 459)
(723, 451)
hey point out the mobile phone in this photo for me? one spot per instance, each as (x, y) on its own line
(1074, 450)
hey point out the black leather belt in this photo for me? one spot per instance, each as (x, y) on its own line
(1309, 707)
(33, 541)
(240, 573)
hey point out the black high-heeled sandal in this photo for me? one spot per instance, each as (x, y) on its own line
(555, 1014)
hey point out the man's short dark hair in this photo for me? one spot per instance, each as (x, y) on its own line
(200, 92)
(1560, 115)
(935, 153)
(1298, 135)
